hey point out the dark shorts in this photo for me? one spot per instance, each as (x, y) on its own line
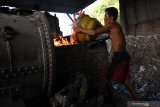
(119, 67)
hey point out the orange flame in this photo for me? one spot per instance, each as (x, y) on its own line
(61, 41)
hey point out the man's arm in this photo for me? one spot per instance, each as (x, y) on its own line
(104, 29)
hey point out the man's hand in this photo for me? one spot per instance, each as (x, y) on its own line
(76, 27)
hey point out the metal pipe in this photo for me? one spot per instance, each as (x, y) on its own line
(70, 17)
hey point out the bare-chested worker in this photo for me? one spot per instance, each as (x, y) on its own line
(119, 66)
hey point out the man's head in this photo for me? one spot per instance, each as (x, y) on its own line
(111, 12)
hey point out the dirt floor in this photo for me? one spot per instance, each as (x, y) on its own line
(122, 96)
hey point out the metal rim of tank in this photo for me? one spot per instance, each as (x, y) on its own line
(48, 50)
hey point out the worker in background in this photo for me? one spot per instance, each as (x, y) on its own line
(118, 69)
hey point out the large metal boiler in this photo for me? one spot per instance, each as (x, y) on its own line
(26, 56)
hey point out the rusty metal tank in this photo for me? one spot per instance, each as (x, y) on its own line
(26, 56)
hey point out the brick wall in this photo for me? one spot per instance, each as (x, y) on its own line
(78, 58)
(147, 28)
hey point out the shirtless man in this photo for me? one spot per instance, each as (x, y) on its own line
(119, 66)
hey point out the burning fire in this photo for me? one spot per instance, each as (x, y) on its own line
(61, 41)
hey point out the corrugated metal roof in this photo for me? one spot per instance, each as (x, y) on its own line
(62, 6)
